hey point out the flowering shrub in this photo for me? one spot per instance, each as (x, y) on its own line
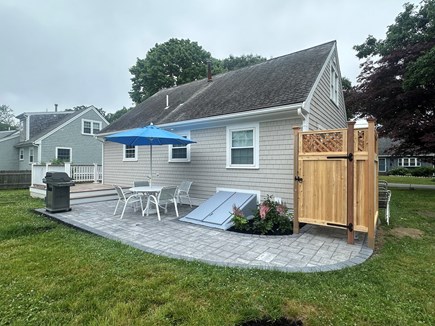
(269, 218)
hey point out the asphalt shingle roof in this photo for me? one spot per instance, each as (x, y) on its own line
(280, 81)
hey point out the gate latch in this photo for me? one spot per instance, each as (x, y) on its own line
(348, 156)
(298, 179)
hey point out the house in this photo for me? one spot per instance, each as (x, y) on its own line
(242, 122)
(388, 161)
(46, 136)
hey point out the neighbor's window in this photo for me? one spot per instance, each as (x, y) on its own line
(90, 127)
(242, 151)
(409, 162)
(334, 83)
(382, 165)
(130, 153)
(21, 154)
(31, 154)
(63, 154)
(179, 153)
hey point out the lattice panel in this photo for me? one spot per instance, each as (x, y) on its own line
(323, 142)
(361, 140)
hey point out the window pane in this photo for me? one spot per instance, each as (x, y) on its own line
(130, 151)
(242, 138)
(63, 154)
(86, 127)
(382, 166)
(242, 156)
(95, 127)
(180, 152)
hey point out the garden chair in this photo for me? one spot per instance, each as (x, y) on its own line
(127, 199)
(168, 195)
(384, 197)
(183, 192)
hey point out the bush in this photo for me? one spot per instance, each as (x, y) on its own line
(424, 171)
(269, 218)
(399, 171)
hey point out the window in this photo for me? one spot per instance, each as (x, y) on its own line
(334, 83)
(382, 165)
(130, 153)
(31, 154)
(179, 153)
(90, 127)
(409, 162)
(63, 154)
(21, 154)
(242, 149)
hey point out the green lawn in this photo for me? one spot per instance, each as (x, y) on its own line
(54, 274)
(407, 180)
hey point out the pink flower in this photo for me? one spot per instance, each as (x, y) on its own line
(281, 209)
(263, 211)
(237, 211)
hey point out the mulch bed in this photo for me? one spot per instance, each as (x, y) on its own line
(273, 322)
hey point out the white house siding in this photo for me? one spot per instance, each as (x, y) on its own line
(9, 154)
(207, 168)
(85, 148)
(324, 113)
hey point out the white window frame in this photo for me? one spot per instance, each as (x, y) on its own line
(385, 164)
(70, 153)
(334, 83)
(21, 154)
(255, 127)
(171, 147)
(31, 155)
(412, 162)
(129, 159)
(92, 122)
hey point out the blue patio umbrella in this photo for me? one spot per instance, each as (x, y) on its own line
(150, 135)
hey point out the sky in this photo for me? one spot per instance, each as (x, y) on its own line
(78, 52)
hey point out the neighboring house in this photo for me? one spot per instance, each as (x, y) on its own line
(242, 122)
(66, 135)
(388, 162)
(8, 151)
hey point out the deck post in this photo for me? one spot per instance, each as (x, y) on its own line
(296, 134)
(372, 189)
(350, 181)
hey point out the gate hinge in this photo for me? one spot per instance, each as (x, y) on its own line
(348, 156)
(349, 226)
(298, 179)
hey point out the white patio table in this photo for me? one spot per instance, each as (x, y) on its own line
(151, 191)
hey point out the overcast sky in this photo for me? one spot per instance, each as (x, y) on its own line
(78, 52)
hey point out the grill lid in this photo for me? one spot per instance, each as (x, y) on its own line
(57, 178)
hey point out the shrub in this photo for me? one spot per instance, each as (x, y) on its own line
(269, 218)
(424, 171)
(399, 171)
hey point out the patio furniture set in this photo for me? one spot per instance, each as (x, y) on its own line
(155, 197)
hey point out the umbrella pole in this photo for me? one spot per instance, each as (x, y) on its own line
(151, 165)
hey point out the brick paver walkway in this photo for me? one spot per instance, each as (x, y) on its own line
(314, 249)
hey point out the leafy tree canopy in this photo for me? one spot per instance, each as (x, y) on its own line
(397, 81)
(177, 62)
(7, 118)
(115, 116)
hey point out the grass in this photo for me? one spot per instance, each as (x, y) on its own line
(407, 180)
(51, 274)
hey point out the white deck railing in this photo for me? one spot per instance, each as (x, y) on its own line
(79, 173)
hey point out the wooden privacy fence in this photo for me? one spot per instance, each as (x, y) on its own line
(336, 181)
(15, 179)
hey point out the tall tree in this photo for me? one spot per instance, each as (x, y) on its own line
(7, 118)
(397, 81)
(174, 62)
(347, 93)
(115, 116)
(233, 63)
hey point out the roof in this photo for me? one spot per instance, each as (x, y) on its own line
(277, 82)
(6, 133)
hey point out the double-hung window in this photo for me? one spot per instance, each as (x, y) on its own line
(129, 153)
(179, 153)
(382, 165)
(90, 127)
(64, 154)
(242, 147)
(21, 154)
(31, 155)
(409, 162)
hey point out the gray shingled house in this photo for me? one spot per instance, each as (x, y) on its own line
(63, 135)
(242, 122)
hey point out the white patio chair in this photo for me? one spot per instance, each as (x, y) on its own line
(127, 199)
(183, 191)
(168, 195)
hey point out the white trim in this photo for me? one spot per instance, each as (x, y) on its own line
(245, 191)
(415, 160)
(170, 148)
(27, 132)
(70, 153)
(21, 154)
(129, 159)
(256, 145)
(92, 126)
(385, 164)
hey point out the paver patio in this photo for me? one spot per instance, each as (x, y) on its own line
(314, 249)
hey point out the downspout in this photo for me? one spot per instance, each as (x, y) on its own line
(304, 117)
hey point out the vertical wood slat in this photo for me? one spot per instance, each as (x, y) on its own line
(350, 180)
(296, 131)
(370, 189)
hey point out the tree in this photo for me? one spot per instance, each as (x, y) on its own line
(233, 63)
(397, 81)
(347, 93)
(7, 118)
(172, 63)
(111, 117)
(83, 107)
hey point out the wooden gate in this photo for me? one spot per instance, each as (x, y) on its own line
(336, 179)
